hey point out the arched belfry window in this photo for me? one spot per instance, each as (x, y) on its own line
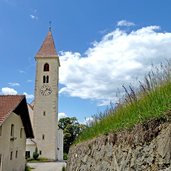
(46, 79)
(46, 67)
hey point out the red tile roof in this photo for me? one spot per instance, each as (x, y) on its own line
(18, 105)
(48, 47)
(8, 104)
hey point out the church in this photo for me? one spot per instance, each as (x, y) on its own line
(43, 111)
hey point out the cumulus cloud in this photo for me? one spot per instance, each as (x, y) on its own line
(125, 23)
(33, 17)
(119, 58)
(28, 96)
(8, 91)
(14, 84)
(62, 115)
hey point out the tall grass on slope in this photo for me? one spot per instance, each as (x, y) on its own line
(151, 100)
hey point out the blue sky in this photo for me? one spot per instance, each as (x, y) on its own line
(101, 44)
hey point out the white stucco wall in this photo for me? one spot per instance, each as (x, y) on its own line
(30, 146)
(30, 110)
(60, 137)
(17, 163)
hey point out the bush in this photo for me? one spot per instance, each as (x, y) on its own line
(27, 168)
(63, 168)
(65, 156)
(35, 154)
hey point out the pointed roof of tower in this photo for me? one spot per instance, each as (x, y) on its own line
(48, 47)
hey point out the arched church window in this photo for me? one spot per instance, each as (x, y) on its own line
(46, 67)
(21, 132)
(43, 137)
(12, 129)
(45, 79)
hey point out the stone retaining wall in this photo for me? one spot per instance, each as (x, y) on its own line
(146, 147)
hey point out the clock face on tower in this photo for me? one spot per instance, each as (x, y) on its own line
(45, 90)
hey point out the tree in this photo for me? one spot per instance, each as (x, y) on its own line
(72, 128)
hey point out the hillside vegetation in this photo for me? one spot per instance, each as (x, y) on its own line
(151, 100)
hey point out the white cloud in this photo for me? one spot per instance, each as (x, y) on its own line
(88, 121)
(14, 84)
(61, 115)
(118, 58)
(33, 14)
(28, 96)
(125, 23)
(8, 91)
(34, 17)
(29, 81)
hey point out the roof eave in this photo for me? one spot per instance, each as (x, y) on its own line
(22, 111)
(49, 57)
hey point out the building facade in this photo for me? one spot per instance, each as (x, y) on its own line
(15, 127)
(45, 107)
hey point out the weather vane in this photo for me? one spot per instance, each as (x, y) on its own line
(50, 25)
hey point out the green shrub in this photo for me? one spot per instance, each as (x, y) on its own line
(40, 159)
(35, 154)
(27, 168)
(65, 156)
(63, 168)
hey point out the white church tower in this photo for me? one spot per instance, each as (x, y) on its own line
(45, 113)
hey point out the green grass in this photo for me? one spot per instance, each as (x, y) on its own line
(40, 159)
(152, 100)
(63, 168)
(27, 168)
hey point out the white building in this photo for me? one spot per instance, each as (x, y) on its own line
(44, 111)
(60, 144)
(15, 127)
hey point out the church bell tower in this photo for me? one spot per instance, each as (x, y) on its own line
(45, 116)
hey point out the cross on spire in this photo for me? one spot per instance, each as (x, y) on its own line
(50, 25)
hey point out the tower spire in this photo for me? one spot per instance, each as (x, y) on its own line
(46, 99)
(48, 46)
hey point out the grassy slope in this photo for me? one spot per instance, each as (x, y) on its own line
(147, 104)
